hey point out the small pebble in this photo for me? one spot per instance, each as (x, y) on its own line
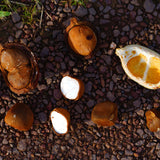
(19, 25)
(18, 34)
(2, 110)
(140, 132)
(15, 17)
(81, 11)
(149, 6)
(139, 19)
(22, 146)
(44, 52)
(42, 117)
(41, 87)
(116, 33)
(92, 11)
(5, 141)
(57, 94)
(106, 9)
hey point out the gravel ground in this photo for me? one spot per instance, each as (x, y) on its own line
(118, 23)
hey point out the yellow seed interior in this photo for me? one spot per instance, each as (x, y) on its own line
(153, 75)
(137, 65)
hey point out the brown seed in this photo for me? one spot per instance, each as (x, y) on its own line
(153, 119)
(81, 37)
(20, 117)
(105, 113)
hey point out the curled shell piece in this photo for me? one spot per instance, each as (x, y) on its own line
(19, 67)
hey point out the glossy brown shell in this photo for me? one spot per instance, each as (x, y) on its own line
(81, 38)
(34, 75)
(20, 117)
(104, 114)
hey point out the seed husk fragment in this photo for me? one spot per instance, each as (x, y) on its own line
(153, 119)
(105, 113)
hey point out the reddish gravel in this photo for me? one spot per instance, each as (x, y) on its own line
(117, 23)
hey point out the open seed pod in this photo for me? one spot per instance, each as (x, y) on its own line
(141, 64)
(19, 67)
(60, 119)
(20, 117)
(81, 37)
(104, 114)
(72, 88)
(153, 119)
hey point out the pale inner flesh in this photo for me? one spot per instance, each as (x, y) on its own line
(59, 122)
(70, 87)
